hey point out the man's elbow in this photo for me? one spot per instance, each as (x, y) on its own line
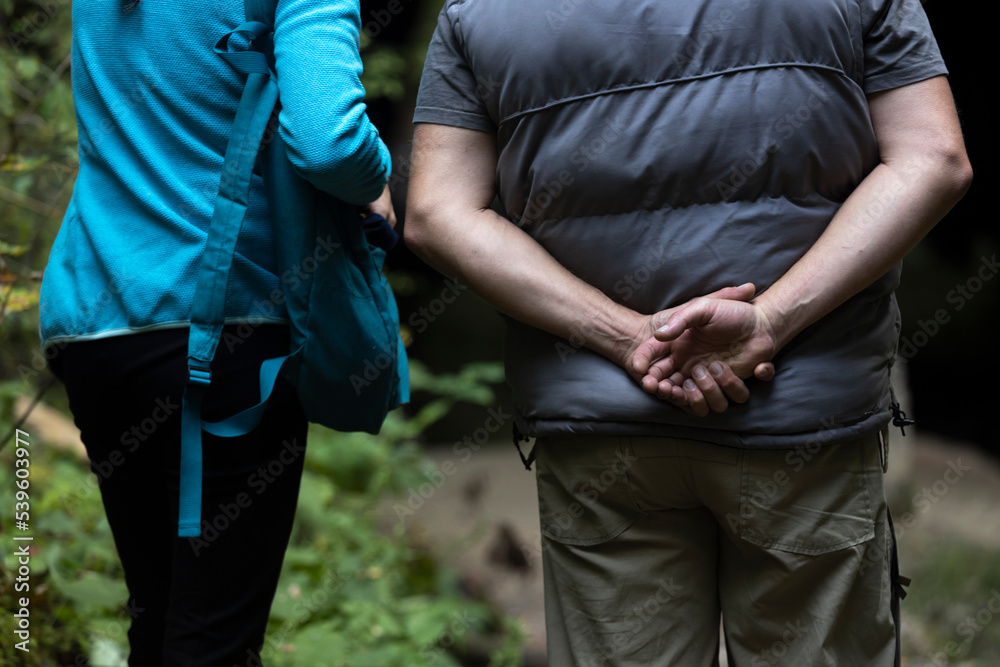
(416, 230)
(961, 172)
(430, 233)
(944, 166)
(953, 169)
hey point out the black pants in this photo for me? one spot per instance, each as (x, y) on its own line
(193, 601)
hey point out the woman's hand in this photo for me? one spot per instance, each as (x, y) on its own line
(383, 206)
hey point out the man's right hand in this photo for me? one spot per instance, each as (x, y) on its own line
(680, 360)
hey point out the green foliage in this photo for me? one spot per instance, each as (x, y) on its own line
(356, 591)
(383, 73)
(75, 587)
(38, 163)
(955, 595)
(352, 592)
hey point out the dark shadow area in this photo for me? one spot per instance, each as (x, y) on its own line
(950, 294)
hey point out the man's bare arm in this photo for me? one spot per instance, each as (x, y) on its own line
(923, 172)
(450, 225)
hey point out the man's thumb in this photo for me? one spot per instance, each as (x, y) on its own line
(686, 317)
(742, 292)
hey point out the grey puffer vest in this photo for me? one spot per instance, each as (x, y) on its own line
(662, 150)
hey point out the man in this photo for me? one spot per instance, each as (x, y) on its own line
(781, 158)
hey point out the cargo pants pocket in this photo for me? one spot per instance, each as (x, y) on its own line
(811, 500)
(583, 494)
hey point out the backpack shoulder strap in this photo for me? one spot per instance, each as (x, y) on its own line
(208, 307)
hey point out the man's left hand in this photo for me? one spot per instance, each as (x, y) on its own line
(702, 343)
(704, 384)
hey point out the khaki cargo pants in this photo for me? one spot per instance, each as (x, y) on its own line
(648, 541)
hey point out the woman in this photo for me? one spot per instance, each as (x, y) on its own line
(154, 107)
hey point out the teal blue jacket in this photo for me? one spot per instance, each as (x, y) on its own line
(154, 106)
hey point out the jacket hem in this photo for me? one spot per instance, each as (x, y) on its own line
(64, 340)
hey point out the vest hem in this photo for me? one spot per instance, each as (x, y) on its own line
(826, 435)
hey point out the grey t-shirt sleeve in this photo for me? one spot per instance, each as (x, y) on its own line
(449, 92)
(899, 47)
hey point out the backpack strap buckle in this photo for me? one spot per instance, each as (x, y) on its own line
(199, 372)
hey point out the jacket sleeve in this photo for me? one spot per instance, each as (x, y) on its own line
(329, 138)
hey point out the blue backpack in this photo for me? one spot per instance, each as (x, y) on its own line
(347, 360)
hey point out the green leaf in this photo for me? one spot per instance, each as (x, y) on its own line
(108, 652)
(384, 70)
(26, 68)
(320, 645)
(12, 250)
(94, 593)
(18, 299)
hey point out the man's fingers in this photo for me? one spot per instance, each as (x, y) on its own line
(764, 371)
(699, 311)
(710, 389)
(650, 384)
(662, 368)
(713, 389)
(645, 358)
(667, 391)
(729, 382)
(671, 391)
(695, 399)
